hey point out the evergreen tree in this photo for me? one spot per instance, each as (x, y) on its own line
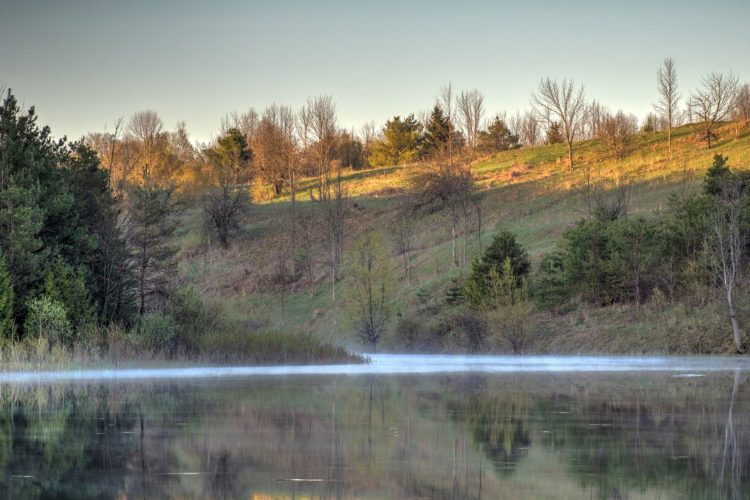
(438, 131)
(402, 142)
(152, 225)
(6, 301)
(554, 134)
(504, 246)
(497, 138)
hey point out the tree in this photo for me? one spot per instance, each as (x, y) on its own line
(402, 142)
(529, 129)
(714, 100)
(451, 185)
(273, 146)
(227, 199)
(402, 233)
(470, 106)
(151, 226)
(616, 132)
(669, 98)
(729, 228)
(370, 287)
(438, 132)
(6, 301)
(503, 247)
(319, 121)
(562, 102)
(497, 138)
(553, 134)
(742, 106)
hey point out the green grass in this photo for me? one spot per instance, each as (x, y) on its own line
(529, 191)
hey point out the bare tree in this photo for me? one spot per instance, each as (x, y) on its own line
(616, 132)
(334, 204)
(529, 130)
(444, 100)
(402, 232)
(730, 234)
(742, 104)
(669, 98)
(714, 100)
(564, 103)
(321, 118)
(451, 185)
(470, 106)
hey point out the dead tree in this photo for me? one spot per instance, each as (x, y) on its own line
(402, 233)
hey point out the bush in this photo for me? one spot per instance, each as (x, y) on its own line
(157, 332)
(193, 316)
(48, 319)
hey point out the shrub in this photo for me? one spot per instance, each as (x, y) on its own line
(193, 316)
(157, 332)
(48, 319)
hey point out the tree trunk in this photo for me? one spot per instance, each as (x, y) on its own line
(736, 332)
(570, 155)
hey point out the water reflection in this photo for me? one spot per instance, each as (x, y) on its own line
(472, 435)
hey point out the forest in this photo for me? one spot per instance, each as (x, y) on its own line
(291, 238)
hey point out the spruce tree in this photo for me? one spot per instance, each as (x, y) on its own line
(152, 226)
(6, 301)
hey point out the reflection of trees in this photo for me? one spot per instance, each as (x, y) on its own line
(644, 439)
(378, 435)
(499, 425)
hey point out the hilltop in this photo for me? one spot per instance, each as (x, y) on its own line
(529, 191)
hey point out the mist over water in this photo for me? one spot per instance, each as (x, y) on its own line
(402, 426)
(385, 364)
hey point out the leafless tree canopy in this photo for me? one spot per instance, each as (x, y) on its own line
(714, 100)
(470, 106)
(742, 104)
(616, 131)
(669, 98)
(564, 103)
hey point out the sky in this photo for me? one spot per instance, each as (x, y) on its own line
(84, 64)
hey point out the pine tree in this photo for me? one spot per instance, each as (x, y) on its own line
(554, 134)
(152, 225)
(497, 137)
(6, 301)
(438, 131)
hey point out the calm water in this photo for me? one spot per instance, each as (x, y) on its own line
(402, 427)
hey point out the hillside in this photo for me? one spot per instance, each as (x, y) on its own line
(529, 191)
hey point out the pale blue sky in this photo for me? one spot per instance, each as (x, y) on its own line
(83, 64)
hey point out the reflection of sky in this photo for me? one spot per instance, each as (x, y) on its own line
(386, 364)
(84, 63)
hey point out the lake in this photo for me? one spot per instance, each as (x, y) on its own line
(403, 426)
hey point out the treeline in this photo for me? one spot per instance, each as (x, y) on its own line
(284, 143)
(685, 253)
(92, 271)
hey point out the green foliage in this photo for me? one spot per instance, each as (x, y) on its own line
(550, 287)
(503, 247)
(6, 301)
(554, 134)
(47, 319)
(716, 176)
(56, 209)
(438, 131)
(67, 286)
(497, 137)
(505, 306)
(152, 225)
(402, 142)
(157, 332)
(194, 317)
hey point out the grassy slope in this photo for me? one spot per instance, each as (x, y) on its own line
(529, 191)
